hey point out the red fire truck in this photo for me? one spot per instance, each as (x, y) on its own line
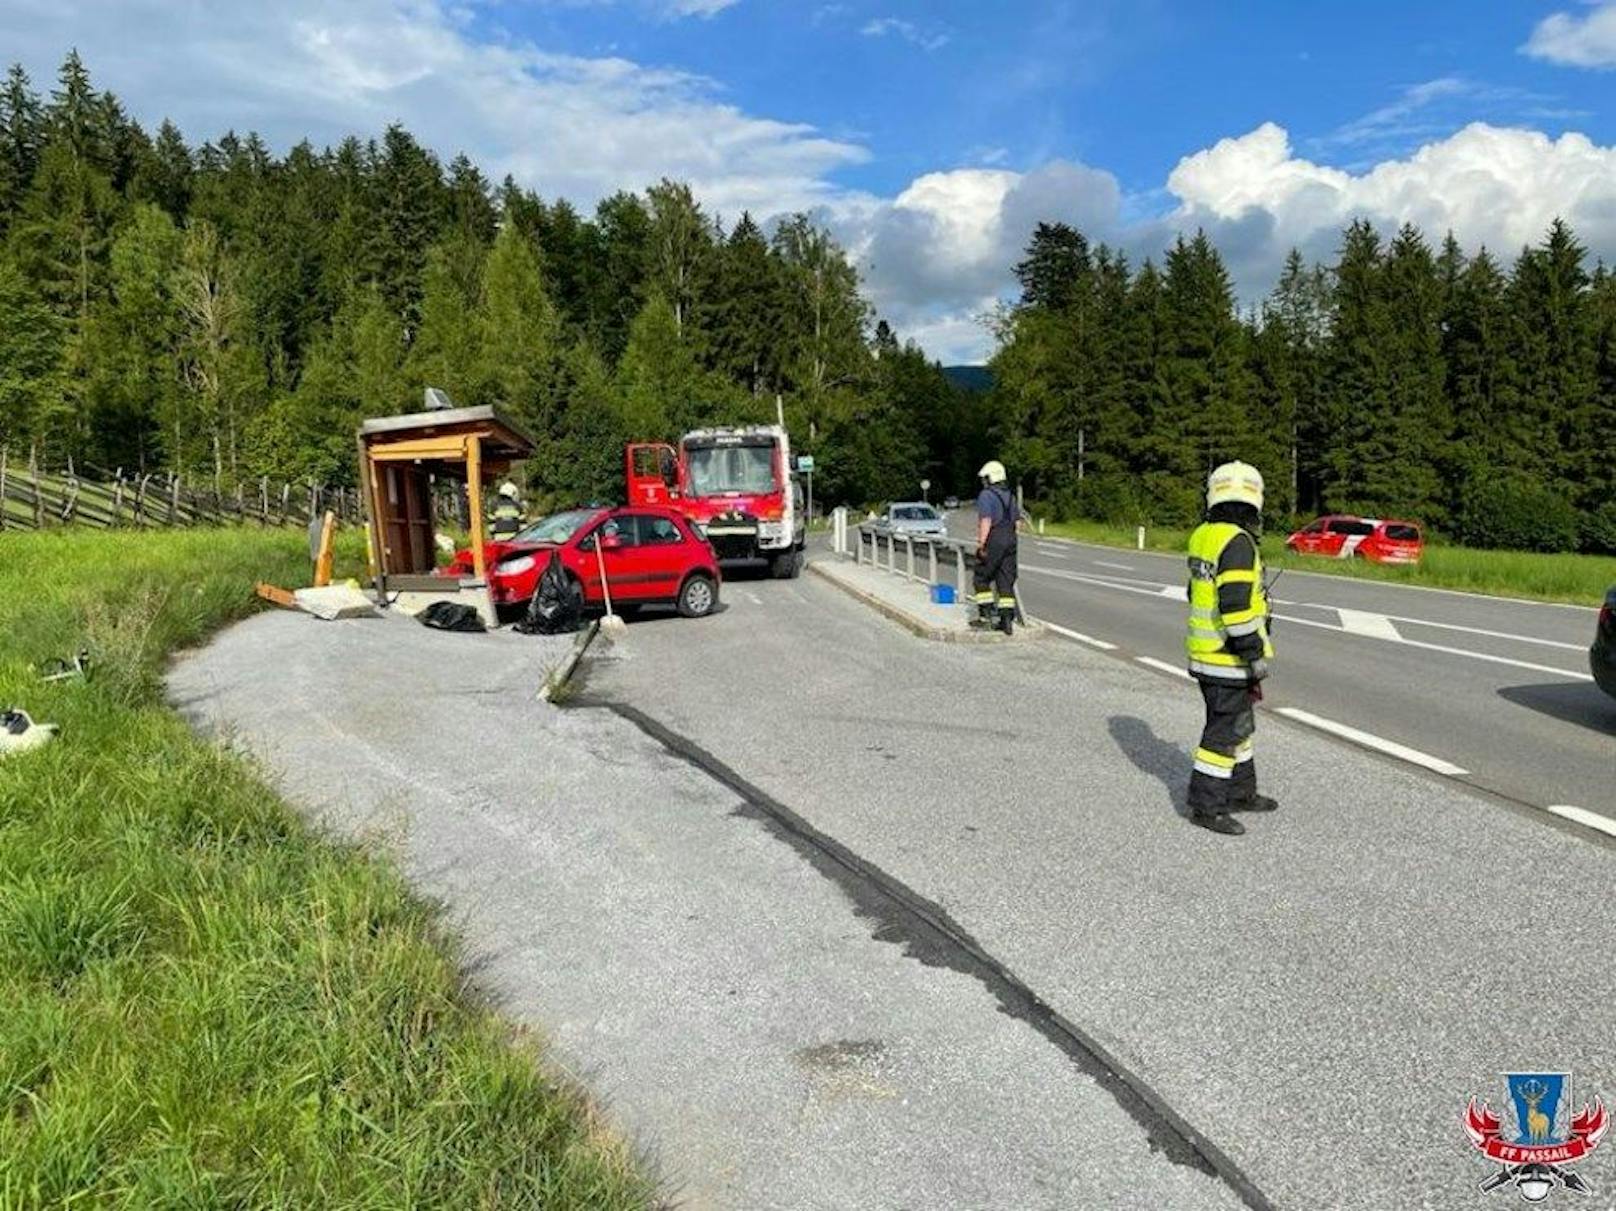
(736, 487)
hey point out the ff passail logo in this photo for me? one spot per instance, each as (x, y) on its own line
(1542, 1137)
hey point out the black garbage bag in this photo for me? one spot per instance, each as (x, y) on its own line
(555, 608)
(451, 616)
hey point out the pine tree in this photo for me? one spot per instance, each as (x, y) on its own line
(447, 351)
(22, 133)
(517, 333)
(1354, 418)
(1410, 471)
(657, 376)
(681, 242)
(1474, 347)
(31, 340)
(131, 344)
(619, 289)
(1056, 268)
(470, 208)
(165, 176)
(409, 211)
(746, 313)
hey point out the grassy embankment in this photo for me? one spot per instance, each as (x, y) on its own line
(203, 1002)
(1580, 579)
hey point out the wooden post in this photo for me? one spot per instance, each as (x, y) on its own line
(322, 561)
(173, 499)
(263, 501)
(117, 500)
(140, 499)
(286, 500)
(474, 503)
(4, 455)
(33, 475)
(373, 515)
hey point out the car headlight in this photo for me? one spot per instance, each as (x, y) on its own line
(514, 567)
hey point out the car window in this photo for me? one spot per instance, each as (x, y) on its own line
(1401, 533)
(1347, 526)
(623, 527)
(1316, 527)
(657, 531)
(914, 513)
(556, 528)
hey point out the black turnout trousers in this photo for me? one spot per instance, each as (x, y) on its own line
(1225, 773)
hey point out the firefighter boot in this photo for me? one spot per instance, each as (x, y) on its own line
(1219, 822)
(1257, 803)
(1007, 619)
(985, 616)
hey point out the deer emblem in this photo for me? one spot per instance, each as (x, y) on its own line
(1537, 1123)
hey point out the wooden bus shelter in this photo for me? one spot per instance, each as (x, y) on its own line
(401, 456)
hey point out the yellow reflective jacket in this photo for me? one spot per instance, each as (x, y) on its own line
(1226, 603)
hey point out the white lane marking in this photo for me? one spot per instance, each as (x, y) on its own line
(1362, 580)
(1443, 626)
(1369, 740)
(753, 598)
(1046, 549)
(1583, 816)
(1121, 567)
(1289, 619)
(1082, 638)
(1362, 622)
(1176, 593)
(1163, 666)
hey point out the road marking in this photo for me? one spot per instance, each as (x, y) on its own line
(753, 598)
(1163, 666)
(1121, 567)
(1583, 816)
(1369, 740)
(1444, 626)
(1289, 619)
(1045, 549)
(1362, 622)
(1082, 638)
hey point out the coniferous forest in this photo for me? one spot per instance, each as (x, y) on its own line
(227, 314)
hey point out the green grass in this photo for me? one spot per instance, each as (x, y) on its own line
(203, 1003)
(1579, 579)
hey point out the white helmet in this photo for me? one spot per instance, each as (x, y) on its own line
(1240, 483)
(992, 471)
(508, 489)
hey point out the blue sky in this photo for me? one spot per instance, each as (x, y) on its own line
(930, 137)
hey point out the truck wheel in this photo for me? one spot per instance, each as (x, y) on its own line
(697, 596)
(786, 565)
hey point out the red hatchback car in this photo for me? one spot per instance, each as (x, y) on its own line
(1340, 536)
(650, 556)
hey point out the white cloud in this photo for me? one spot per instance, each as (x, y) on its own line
(880, 27)
(698, 8)
(938, 255)
(570, 125)
(1585, 41)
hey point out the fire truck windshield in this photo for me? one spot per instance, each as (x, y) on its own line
(715, 470)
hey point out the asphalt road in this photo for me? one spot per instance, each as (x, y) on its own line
(1317, 998)
(1495, 688)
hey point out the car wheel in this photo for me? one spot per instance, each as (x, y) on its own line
(786, 566)
(697, 596)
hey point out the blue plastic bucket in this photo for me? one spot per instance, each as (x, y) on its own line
(942, 594)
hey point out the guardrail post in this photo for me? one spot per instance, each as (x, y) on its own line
(1139, 537)
(931, 563)
(959, 571)
(909, 547)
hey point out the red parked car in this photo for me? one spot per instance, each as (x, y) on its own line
(651, 556)
(1341, 536)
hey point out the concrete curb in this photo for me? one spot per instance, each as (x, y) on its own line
(1029, 629)
(558, 677)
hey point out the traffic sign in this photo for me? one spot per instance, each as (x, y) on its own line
(805, 462)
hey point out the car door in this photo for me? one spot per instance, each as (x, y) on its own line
(661, 555)
(617, 538)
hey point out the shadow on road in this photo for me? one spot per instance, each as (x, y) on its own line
(1161, 759)
(1569, 701)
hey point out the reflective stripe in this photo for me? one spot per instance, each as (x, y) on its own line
(1220, 672)
(983, 598)
(1214, 764)
(1007, 603)
(1248, 627)
(1243, 752)
(1236, 576)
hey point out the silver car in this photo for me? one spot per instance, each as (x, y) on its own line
(915, 518)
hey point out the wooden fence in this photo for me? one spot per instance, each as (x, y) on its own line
(33, 498)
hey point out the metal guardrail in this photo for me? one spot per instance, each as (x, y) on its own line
(919, 554)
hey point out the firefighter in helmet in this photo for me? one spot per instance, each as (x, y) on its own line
(1228, 647)
(508, 512)
(994, 578)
